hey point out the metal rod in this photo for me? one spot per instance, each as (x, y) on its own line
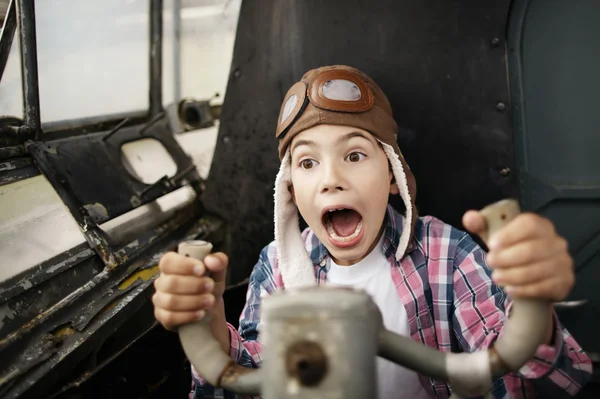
(29, 64)
(156, 36)
(176, 51)
(116, 129)
(7, 34)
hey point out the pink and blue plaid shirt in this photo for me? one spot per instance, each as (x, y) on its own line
(451, 303)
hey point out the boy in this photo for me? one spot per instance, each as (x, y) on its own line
(339, 163)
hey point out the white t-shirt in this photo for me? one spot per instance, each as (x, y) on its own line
(373, 275)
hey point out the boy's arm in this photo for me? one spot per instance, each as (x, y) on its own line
(245, 348)
(480, 306)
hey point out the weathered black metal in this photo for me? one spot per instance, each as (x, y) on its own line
(16, 169)
(31, 278)
(12, 152)
(156, 49)
(68, 330)
(89, 175)
(7, 35)
(435, 60)
(29, 64)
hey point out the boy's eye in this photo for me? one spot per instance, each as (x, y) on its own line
(355, 156)
(307, 163)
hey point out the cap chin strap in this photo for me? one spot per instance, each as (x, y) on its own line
(295, 265)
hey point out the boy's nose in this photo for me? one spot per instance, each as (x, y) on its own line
(332, 179)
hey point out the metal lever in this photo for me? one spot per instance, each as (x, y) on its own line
(204, 351)
(300, 313)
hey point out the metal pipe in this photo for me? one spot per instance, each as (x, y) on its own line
(29, 64)
(6, 35)
(156, 37)
(176, 51)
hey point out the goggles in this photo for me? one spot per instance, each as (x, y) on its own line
(333, 90)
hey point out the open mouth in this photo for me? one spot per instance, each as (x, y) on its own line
(344, 226)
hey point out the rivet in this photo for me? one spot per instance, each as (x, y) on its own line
(495, 42)
(500, 106)
(504, 172)
(237, 73)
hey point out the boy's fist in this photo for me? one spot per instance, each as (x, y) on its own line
(187, 288)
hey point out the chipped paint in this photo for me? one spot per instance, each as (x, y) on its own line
(25, 284)
(63, 331)
(144, 274)
(96, 211)
(133, 244)
(6, 313)
(73, 259)
(5, 166)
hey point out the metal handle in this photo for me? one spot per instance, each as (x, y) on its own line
(472, 374)
(204, 351)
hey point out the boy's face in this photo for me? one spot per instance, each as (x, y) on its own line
(340, 182)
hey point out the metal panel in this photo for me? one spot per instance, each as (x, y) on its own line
(554, 64)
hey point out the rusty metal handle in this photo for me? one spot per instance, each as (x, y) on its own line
(204, 351)
(472, 374)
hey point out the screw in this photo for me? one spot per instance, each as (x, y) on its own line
(500, 106)
(504, 172)
(237, 73)
(495, 42)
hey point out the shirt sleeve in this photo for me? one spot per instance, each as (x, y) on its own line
(245, 346)
(559, 370)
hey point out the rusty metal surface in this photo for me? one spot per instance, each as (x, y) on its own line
(70, 327)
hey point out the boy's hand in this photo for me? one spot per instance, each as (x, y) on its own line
(184, 294)
(530, 260)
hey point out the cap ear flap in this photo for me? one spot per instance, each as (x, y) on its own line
(294, 264)
(403, 190)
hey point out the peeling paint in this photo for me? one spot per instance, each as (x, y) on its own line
(63, 331)
(26, 284)
(82, 254)
(145, 275)
(5, 166)
(133, 244)
(96, 211)
(6, 313)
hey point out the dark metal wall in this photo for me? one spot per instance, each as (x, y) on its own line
(554, 62)
(442, 64)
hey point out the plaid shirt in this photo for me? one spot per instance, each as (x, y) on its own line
(451, 303)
